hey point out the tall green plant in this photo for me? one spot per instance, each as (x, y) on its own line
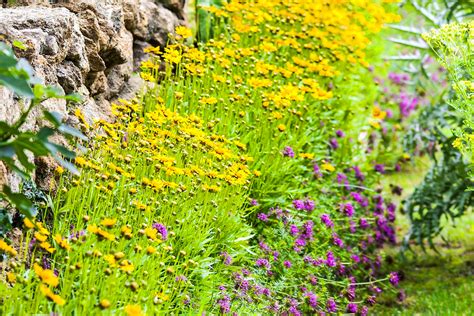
(16, 142)
(442, 193)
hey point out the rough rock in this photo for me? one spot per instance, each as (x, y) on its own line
(90, 47)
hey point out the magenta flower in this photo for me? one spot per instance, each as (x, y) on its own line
(380, 168)
(288, 152)
(224, 304)
(348, 209)
(261, 262)
(294, 230)
(333, 143)
(352, 308)
(331, 306)
(327, 220)
(161, 229)
(298, 204)
(394, 278)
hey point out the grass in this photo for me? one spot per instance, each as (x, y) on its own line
(435, 283)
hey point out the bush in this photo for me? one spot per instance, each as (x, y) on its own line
(15, 142)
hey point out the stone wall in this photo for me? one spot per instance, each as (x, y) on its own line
(91, 47)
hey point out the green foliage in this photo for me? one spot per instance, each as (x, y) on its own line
(16, 143)
(442, 193)
(205, 20)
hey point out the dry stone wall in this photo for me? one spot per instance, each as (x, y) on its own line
(91, 47)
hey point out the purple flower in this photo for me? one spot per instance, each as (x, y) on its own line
(294, 311)
(352, 308)
(364, 311)
(288, 152)
(294, 230)
(317, 171)
(407, 104)
(298, 204)
(161, 229)
(253, 202)
(264, 246)
(355, 258)
(309, 205)
(380, 168)
(287, 264)
(331, 306)
(227, 258)
(300, 242)
(358, 174)
(342, 178)
(312, 299)
(330, 260)
(262, 263)
(393, 278)
(363, 223)
(327, 220)
(348, 209)
(263, 217)
(224, 304)
(371, 300)
(333, 143)
(340, 133)
(401, 296)
(308, 230)
(337, 241)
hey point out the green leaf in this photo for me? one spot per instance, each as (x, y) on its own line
(7, 61)
(66, 129)
(20, 201)
(407, 29)
(53, 117)
(17, 85)
(19, 45)
(410, 43)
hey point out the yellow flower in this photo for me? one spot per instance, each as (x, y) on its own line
(104, 303)
(378, 114)
(47, 246)
(47, 276)
(63, 243)
(210, 100)
(457, 143)
(281, 127)
(306, 156)
(40, 237)
(28, 223)
(184, 32)
(151, 233)
(59, 170)
(153, 50)
(147, 77)
(126, 266)
(50, 295)
(11, 277)
(150, 250)
(133, 310)
(109, 222)
(328, 167)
